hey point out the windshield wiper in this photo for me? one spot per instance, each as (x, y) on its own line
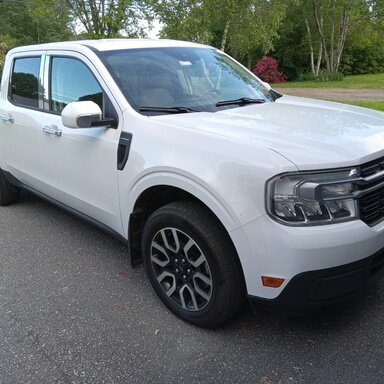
(167, 109)
(241, 101)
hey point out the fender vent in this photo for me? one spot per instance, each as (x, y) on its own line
(123, 150)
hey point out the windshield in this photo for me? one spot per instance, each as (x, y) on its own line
(177, 80)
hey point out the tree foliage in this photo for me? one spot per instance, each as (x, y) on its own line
(364, 50)
(333, 20)
(3, 50)
(34, 21)
(304, 35)
(110, 18)
(328, 35)
(238, 26)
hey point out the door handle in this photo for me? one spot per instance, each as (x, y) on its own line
(7, 118)
(52, 130)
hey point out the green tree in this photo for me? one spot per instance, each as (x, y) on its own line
(291, 49)
(34, 21)
(110, 18)
(364, 49)
(183, 20)
(240, 27)
(334, 35)
(249, 25)
(334, 20)
(3, 50)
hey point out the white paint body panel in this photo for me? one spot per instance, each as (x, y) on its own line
(313, 134)
(271, 249)
(224, 159)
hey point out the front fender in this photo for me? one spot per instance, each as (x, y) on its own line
(172, 178)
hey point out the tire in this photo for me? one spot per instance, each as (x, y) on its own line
(8, 193)
(192, 264)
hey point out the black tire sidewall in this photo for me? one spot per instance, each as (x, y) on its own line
(8, 193)
(212, 310)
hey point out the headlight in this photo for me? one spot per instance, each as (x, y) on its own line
(312, 198)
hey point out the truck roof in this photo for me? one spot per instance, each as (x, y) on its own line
(107, 44)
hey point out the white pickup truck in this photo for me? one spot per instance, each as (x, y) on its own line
(224, 188)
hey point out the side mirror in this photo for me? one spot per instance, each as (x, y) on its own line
(81, 114)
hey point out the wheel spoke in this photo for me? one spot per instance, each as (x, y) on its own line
(199, 276)
(188, 246)
(205, 279)
(183, 295)
(175, 237)
(193, 259)
(198, 262)
(155, 257)
(168, 288)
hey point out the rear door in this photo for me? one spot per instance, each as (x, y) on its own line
(21, 141)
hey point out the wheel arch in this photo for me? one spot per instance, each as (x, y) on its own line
(151, 196)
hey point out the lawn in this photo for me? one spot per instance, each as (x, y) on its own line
(379, 105)
(375, 81)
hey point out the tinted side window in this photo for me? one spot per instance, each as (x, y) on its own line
(25, 82)
(71, 81)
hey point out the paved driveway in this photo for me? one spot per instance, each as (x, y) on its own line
(73, 312)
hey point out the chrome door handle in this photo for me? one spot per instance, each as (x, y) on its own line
(52, 130)
(7, 117)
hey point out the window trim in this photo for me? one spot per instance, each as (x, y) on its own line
(40, 84)
(44, 79)
(45, 82)
(49, 78)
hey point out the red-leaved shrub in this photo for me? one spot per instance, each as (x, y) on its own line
(267, 70)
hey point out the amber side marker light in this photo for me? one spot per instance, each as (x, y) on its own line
(272, 282)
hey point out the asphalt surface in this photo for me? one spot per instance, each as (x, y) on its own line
(71, 311)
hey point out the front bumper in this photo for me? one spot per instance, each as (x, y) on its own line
(304, 254)
(315, 289)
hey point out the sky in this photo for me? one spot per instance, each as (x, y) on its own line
(153, 33)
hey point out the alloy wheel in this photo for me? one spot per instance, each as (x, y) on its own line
(181, 269)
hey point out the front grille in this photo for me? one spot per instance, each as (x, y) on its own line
(371, 204)
(369, 169)
(372, 207)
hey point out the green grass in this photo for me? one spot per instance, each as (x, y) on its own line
(375, 81)
(379, 105)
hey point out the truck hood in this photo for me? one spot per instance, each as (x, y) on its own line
(312, 134)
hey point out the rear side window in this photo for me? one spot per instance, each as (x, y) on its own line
(25, 82)
(70, 81)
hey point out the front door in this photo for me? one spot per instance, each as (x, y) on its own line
(76, 167)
